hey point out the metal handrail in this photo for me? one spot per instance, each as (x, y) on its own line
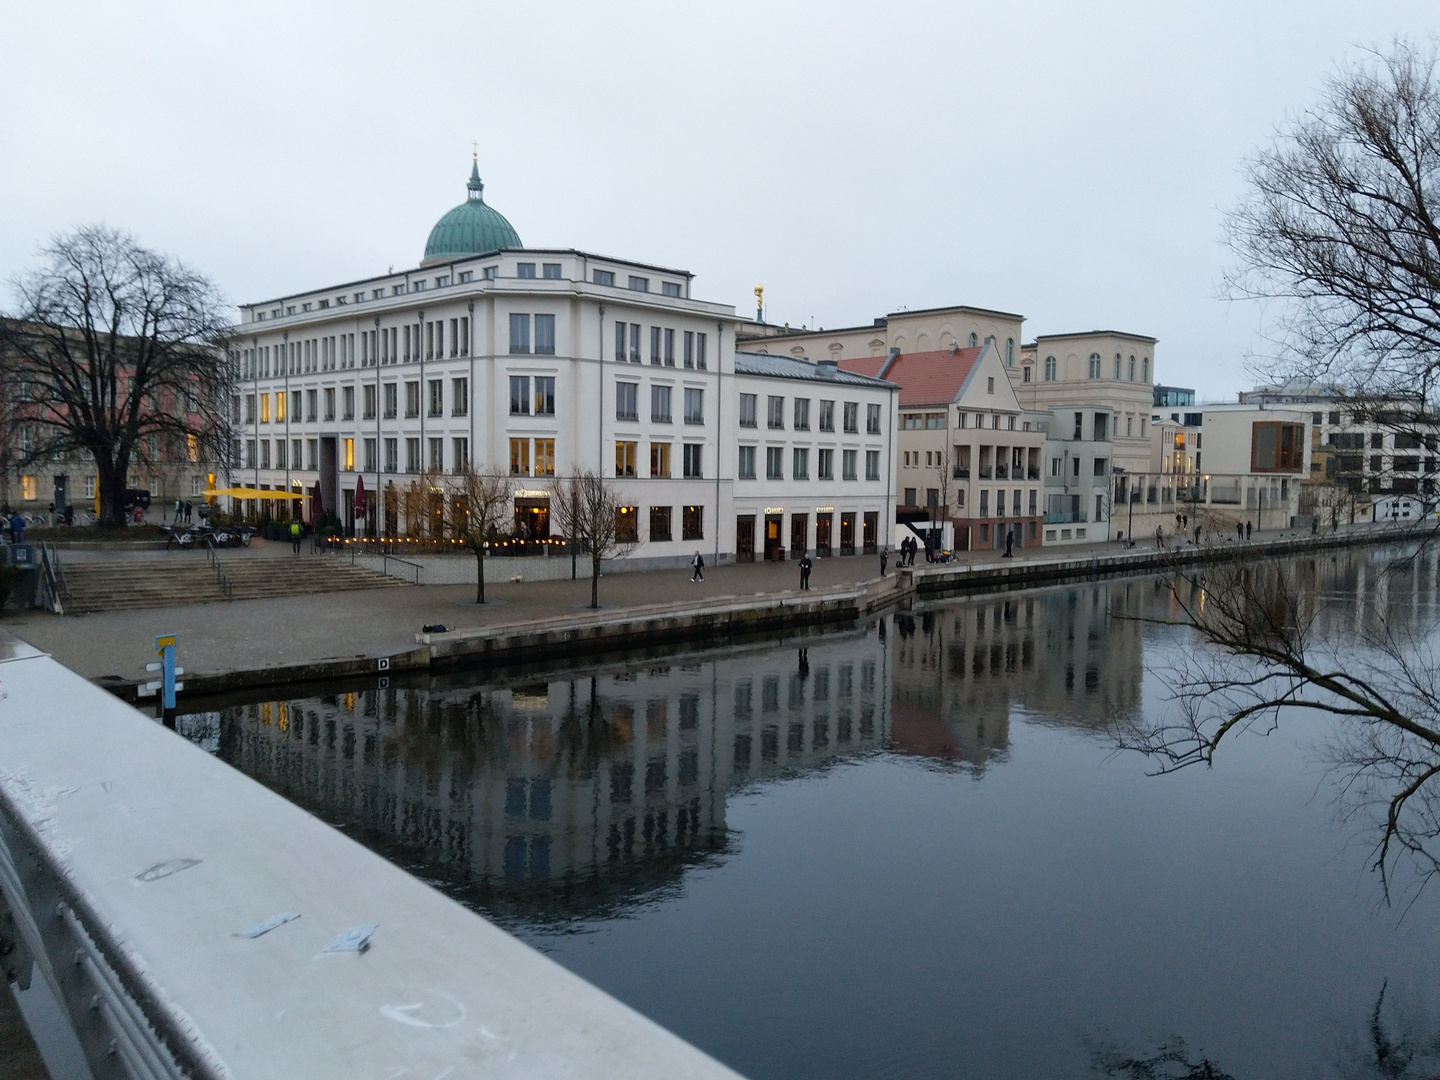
(52, 578)
(213, 556)
(386, 560)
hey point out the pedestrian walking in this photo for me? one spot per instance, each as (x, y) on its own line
(698, 563)
(1240, 529)
(1159, 536)
(189, 509)
(1247, 530)
(179, 510)
(1009, 544)
(17, 528)
(884, 558)
(1197, 535)
(295, 536)
(805, 571)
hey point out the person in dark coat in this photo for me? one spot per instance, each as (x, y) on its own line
(805, 571)
(884, 558)
(1009, 544)
(698, 564)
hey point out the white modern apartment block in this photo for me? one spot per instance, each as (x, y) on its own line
(539, 363)
(1079, 460)
(814, 448)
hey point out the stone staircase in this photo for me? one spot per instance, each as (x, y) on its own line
(188, 578)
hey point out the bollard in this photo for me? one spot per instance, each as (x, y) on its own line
(166, 684)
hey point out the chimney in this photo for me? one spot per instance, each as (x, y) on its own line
(827, 368)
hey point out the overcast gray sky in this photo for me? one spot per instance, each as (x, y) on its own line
(1071, 162)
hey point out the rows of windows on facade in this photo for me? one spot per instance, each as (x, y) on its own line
(630, 338)
(526, 270)
(1124, 370)
(432, 339)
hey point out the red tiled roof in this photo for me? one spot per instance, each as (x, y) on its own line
(865, 365)
(925, 378)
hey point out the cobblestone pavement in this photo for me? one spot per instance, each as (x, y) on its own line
(245, 634)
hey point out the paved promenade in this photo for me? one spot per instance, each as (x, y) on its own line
(246, 635)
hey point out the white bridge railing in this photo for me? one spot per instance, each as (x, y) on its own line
(191, 923)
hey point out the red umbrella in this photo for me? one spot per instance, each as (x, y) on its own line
(359, 497)
(317, 504)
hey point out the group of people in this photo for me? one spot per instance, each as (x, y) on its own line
(910, 546)
(183, 511)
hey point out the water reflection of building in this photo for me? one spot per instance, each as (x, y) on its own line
(960, 667)
(586, 791)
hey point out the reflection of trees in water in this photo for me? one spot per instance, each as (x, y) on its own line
(1171, 1060)
(1351, 637)
(1395, 1044)
(570, 796)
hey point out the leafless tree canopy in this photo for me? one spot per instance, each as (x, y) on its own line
(122, 350)
(1341, 229)
(481, 509)
(586, 509)
(1278, 648)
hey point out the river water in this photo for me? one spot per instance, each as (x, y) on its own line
(907, 850)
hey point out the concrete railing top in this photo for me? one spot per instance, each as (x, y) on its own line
(164, 854)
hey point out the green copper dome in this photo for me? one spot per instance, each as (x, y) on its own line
(472, 228)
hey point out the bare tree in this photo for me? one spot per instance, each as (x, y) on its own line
(481, 506)
(1340, 230)
(944, 479)
(122, 350)
(1279, 646)
(588, 511)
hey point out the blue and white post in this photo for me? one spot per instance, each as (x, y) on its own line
(166, 684)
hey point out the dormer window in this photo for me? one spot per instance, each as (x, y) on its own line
(290, 309)
(324, 305)
(378, 294)
(306, 306)
(603, 277)
(490, 272)
(639, 284)
(467, 276)
(259, 316)
(670, 288)
(524, 270)
(441, 282)
(418, 286)
(397, 290)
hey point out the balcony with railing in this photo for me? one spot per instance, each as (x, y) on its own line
(961, 474)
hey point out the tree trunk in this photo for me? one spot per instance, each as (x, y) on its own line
(480, 575)
(595, 582)
(111, 483)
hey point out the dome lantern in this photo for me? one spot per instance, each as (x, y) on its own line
(472, 228)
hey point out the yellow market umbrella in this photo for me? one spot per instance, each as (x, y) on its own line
(253, 493)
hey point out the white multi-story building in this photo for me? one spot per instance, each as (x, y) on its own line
(541, 363)
(1079, 460)
(814, 450)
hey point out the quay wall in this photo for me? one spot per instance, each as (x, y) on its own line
(587, 633)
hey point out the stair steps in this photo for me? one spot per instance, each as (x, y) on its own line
(119, 586)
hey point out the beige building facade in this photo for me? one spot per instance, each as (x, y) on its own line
(965, 450)
(1100, 369)
(926, 330)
